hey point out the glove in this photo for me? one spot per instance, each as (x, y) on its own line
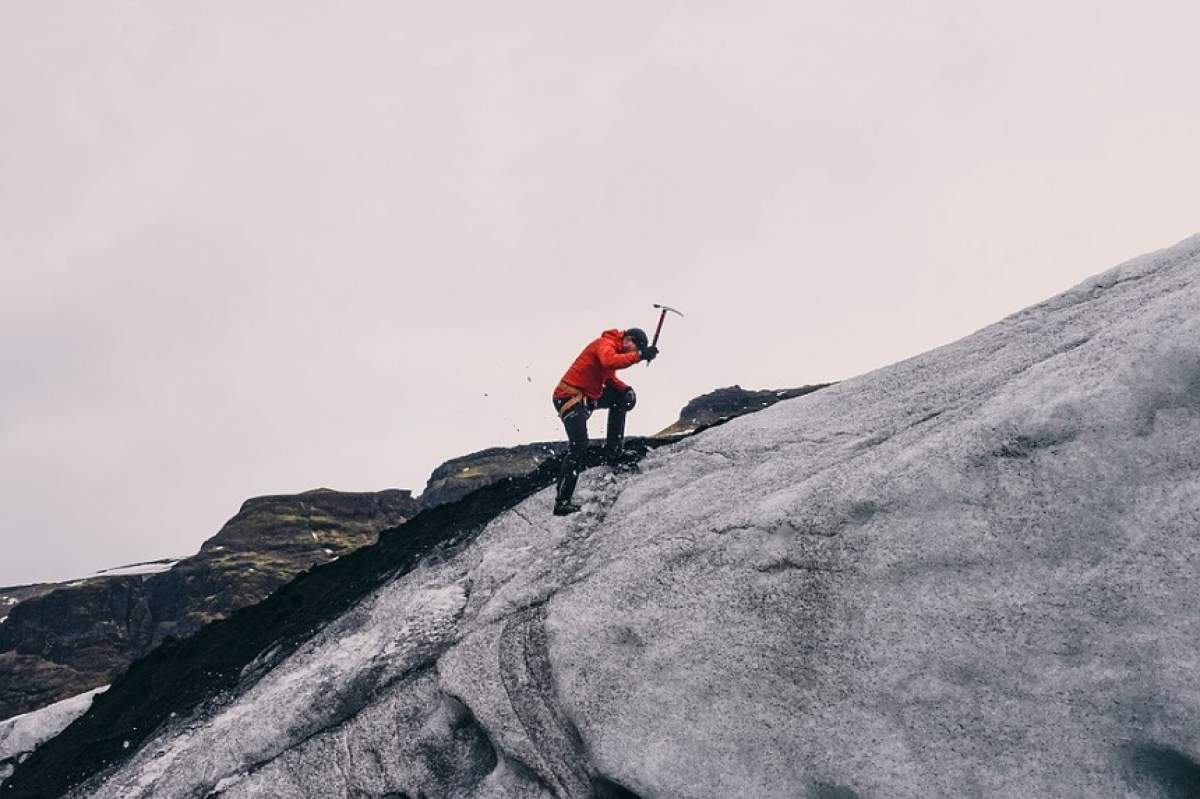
(629, 400)
(649, 353)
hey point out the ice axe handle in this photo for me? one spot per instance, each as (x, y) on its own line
(662, 317)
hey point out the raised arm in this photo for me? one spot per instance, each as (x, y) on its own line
(612, 358)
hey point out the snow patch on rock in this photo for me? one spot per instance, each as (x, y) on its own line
(21, 735)
(149, 567)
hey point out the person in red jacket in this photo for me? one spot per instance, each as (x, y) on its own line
(592, 383)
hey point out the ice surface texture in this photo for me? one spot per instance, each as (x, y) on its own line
(972, 573)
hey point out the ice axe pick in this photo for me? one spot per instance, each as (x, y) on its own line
(662, 317)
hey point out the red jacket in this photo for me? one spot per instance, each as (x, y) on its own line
(597, 365)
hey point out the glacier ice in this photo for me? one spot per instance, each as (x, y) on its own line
(969, 573)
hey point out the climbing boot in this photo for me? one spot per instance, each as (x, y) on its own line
(620, 460)
(565, 508)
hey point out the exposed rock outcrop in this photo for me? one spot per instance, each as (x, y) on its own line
(729, 403)
(458, 477)
(59, 641)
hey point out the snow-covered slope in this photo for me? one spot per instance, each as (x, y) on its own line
(148, 567)
(20, 735)
(972, 573)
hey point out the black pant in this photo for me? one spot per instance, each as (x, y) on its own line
(575, 421)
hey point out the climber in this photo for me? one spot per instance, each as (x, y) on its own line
(592, 383)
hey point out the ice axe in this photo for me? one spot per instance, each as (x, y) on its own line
(662, 317)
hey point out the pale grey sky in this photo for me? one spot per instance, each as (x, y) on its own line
(260, 247)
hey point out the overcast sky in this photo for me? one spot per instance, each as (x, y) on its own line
(261, 247)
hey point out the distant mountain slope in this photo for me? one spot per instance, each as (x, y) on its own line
(62, 640)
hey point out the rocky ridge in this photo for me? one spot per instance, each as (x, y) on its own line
(458, 477)
(58, 641)
(729, 403)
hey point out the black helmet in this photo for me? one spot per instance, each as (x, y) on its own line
(639, 337)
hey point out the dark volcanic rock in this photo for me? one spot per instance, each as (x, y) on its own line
(727, 403)
(11, 595)
(458, 477)
(59, 641)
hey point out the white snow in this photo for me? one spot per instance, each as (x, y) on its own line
(149, 567)
(969, 573)
(383, 637)
(20, 735)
